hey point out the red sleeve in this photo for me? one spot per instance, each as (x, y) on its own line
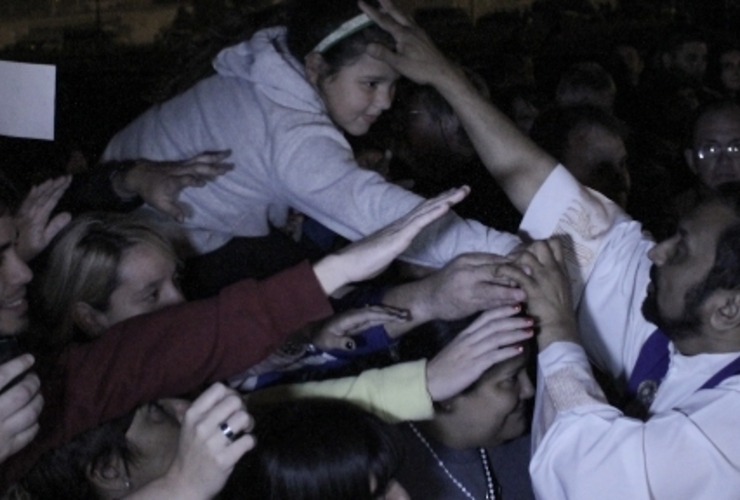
(169, 353)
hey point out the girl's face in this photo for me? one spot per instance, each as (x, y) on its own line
(357, 95)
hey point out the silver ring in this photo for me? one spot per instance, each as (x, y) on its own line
(226, 430)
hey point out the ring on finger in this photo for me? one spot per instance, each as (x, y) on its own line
(226, 430)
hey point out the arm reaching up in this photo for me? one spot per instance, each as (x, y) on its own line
(517, 164)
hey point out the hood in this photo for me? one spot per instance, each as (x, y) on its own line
(265, 61)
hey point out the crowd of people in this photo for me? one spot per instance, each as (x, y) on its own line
(261, 293)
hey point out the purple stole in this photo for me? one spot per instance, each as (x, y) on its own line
(652, 366)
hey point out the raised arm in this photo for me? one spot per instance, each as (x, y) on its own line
(517, 164)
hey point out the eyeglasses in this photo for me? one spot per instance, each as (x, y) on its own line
(713, 150)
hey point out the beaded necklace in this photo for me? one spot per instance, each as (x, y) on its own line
(490, 485)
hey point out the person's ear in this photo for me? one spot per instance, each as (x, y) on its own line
(688, 154)
(91, 321)
(725, 310)
(316, 67)
(110, 477)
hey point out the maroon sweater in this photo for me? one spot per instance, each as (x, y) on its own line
(166, 354)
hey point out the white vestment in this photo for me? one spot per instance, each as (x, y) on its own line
(585, 449)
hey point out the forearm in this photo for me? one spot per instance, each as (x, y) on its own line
(515, 162)
(396, 393)
(96, 190)
(413, 297)
(167, 353)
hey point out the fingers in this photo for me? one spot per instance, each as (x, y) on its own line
(432, 209)
(385, 20)
(56, 224)
(493, 314)
(361, 319)
(20, 407)
(19, 440)
(209, 157)
(519, 276)
(13, 368)
(204, 167)
(489, 340)
(42, 199)
(398, 16)
(497, 328)
(26, 403)
(334, 335)
(219, 405)
(556, 248)
(199, 173)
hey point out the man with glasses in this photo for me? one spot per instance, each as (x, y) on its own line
(714, 155)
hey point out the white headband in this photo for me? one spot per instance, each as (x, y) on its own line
(346, 29)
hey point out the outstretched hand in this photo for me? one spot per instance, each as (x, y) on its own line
(159, 183)
(490, 339)
(336, 332)
(206, 455)
(369, 256)
(32, 220)
(541, 273)
(416, 56)
(20, 405)
(468, 284)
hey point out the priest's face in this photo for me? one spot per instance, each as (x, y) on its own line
(680, 266)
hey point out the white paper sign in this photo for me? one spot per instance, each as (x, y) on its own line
(27, 95)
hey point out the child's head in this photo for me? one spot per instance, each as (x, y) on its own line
(330, 37)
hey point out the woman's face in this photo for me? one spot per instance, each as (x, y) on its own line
(154, 434)
(357, 95)
(494, 410)
(147, 282)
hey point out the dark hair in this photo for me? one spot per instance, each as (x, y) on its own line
(432, 101)
(552, 127)
(310, 21)
(10, 198)
(713, 107)
(316, 449)
(725, 272)
(583, 78)
(62, 473)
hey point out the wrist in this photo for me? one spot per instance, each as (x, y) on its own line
(176, 485)
(561, 330)
(330, 273)
(123, 180)
(451, 81)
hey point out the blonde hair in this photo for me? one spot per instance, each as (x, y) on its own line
(83, 266)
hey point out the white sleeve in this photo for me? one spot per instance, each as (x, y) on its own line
(606, 255)
(320, 178)
(585, 449)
